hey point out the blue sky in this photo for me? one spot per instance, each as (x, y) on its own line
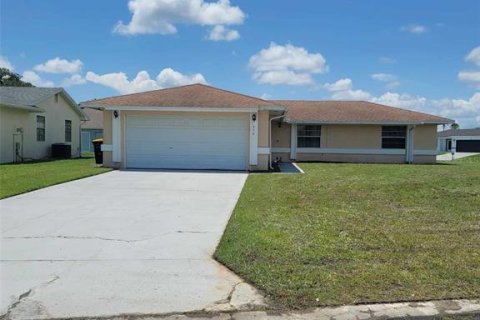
(419, 55)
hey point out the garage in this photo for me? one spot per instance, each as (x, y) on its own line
(187, 141)
(468, 145)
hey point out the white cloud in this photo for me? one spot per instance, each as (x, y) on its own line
(222, 33)
(287, 64)
(339, 85)
(161, 16)
(414, 28)
(384, 77)
(73, 80)
(474, 56)
(5, 63)
(266, 96)
(469, 76)
(464, 111)
(472, 77)
(343, 90)
(171, 78)
(401, 100)
(119, 81)
(35, 79)
(390, 79)
(142, 82)
(57, 65)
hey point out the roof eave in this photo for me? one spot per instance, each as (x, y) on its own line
(22, 107)
(272, 108)
(183, 108)
(366, 122)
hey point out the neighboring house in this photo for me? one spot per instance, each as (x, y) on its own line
(201, 127)
(91, 129)
(32, 119)
(459, 140)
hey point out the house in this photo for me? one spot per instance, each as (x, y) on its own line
(459, 140)
(32, 119)
(91, 129)
(202, 127)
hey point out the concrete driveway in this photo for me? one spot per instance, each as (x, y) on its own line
(458, 155)
(124, 242)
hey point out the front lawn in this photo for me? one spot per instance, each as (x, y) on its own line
(20, 178)
(356, 233)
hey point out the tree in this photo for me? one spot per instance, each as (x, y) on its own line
(454, 126)
(11, 79)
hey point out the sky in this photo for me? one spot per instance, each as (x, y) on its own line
(420, 55)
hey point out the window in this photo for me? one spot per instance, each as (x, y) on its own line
(68, 130)
(393, 137)
(40, 128)
(56, 98)
(308, 136)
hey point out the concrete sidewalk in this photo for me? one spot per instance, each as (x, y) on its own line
(407, 310)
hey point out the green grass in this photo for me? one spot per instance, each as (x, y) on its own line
(20, 178)
(88, 154)
(359, 233)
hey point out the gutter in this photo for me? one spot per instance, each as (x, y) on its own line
(270, 138)
(291, 121)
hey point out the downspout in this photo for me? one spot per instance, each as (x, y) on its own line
(410, 146)
(270, 139)
(82, 122)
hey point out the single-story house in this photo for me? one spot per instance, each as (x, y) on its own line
(91, 129)
(202, 127)
(32, 119)
(459, 140)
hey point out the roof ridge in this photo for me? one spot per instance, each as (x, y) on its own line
(178, 87)
(233, 92)
(136, 93)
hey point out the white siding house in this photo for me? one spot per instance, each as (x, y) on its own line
(32, 119)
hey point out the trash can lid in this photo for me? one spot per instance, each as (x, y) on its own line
(98, 140)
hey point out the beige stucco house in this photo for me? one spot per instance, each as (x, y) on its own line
(201, 127)
(32, 119)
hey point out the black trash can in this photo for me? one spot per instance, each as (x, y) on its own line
(97, 148)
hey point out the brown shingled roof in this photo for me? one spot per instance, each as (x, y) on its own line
(95, 119)
(459, 132)
(353, 112)
(194, 96)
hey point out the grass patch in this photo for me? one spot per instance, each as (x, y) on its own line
(24, 177)
(359, 233)
(88, 154)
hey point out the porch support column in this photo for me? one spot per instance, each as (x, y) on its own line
(253, 138)
(293, 141)
(116, 136)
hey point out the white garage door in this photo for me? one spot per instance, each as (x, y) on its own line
(186, 142)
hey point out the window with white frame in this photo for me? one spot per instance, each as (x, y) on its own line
(68, 130)
(308, 136)
(394, 137)
(40, 128)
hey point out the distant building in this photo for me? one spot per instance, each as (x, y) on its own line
(461, 140)
(92, 128)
